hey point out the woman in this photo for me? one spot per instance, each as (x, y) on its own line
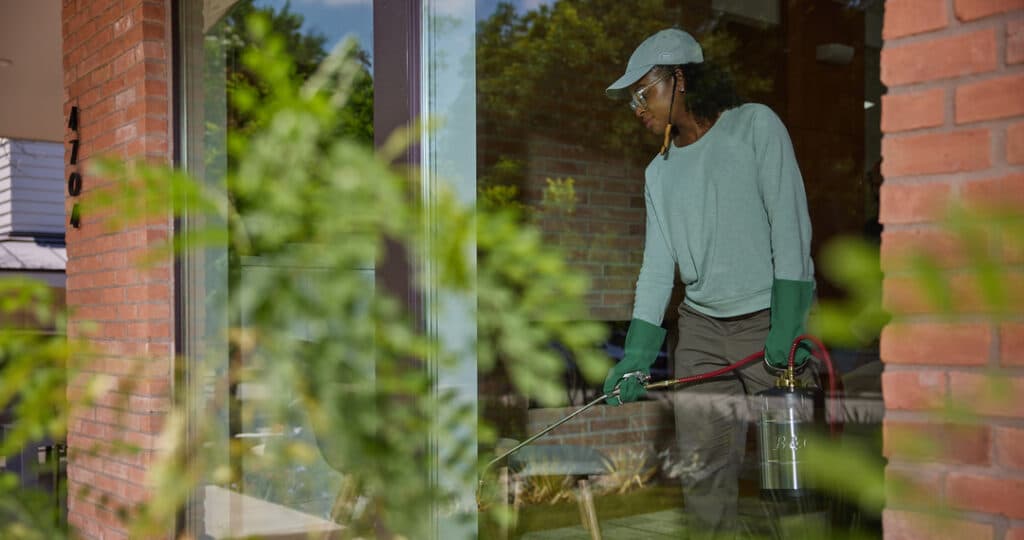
(726, 207)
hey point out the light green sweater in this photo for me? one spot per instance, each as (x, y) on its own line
(730, 212)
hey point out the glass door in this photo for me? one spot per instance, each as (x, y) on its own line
(243, 492)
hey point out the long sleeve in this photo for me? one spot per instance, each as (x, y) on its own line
(657, 274)
(784, 199)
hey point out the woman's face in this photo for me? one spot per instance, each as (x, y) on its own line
(652, 96)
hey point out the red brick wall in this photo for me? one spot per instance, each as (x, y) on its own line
(117, 70)
(953, 123)
(604, 234)
(642, 428)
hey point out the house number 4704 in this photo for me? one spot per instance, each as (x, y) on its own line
(74, 178)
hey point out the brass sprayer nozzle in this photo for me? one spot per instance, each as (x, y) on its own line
(787, 379)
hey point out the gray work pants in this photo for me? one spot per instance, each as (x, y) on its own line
(712, 417)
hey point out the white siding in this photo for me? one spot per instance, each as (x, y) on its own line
(5, 186)
(31, 187)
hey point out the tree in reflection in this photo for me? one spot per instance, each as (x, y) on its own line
(309, 49)
(544, 71)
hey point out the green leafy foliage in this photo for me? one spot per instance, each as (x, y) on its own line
(306, 206)
(307, 49)
(967, 278)
(857, 319)
(34, 375)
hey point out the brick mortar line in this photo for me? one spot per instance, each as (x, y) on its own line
(135, 321)
(92, 497)
(141, 321)
(918, 417)
(109, 453)
(962, 272)
(901, 320)
(129, 429)
(941, 178)
(933, 514)
(114, 150)
(954, 81)
(134, 303)
(80, 409)
(952, 127)
(1005, 70)
(939, 318)
(993, 471)
(86, 453)
(119, 395)
(129, 267)
(150, 340)
(1009, 372)
(589, 416)
(997, 150)
(80, 320)
(147, 115)
(99, 406)
(954, 28)
(997, 521)
(922, 226)
(105, 454)
(1001, 45)
(133, 283)
(606, 419)
(920, 86)
(83, 385)
(994, 172)
(609, 431)
(996, 127)
(88, 518)
(1004, 422)
(133, 120)
(124, 302)
(927, 417)
(122, 232)
(80, 402)
(115, 456)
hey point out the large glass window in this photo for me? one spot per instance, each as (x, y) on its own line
(543, 119)
(517, 92)
(263, 498)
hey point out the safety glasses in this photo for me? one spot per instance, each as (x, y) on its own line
(638, 100)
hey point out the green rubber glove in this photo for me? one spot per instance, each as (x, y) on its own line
(791, 301)
(643, 342)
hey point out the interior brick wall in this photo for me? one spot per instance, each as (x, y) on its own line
(117, 71)
(642, 428)
(604, 233)
(953, 123)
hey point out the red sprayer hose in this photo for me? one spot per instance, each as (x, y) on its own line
(833, 397)
(711, 374)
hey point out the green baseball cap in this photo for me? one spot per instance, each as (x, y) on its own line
(668, 47)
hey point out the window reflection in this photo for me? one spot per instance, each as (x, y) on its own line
(550, 143)
(266, 497)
